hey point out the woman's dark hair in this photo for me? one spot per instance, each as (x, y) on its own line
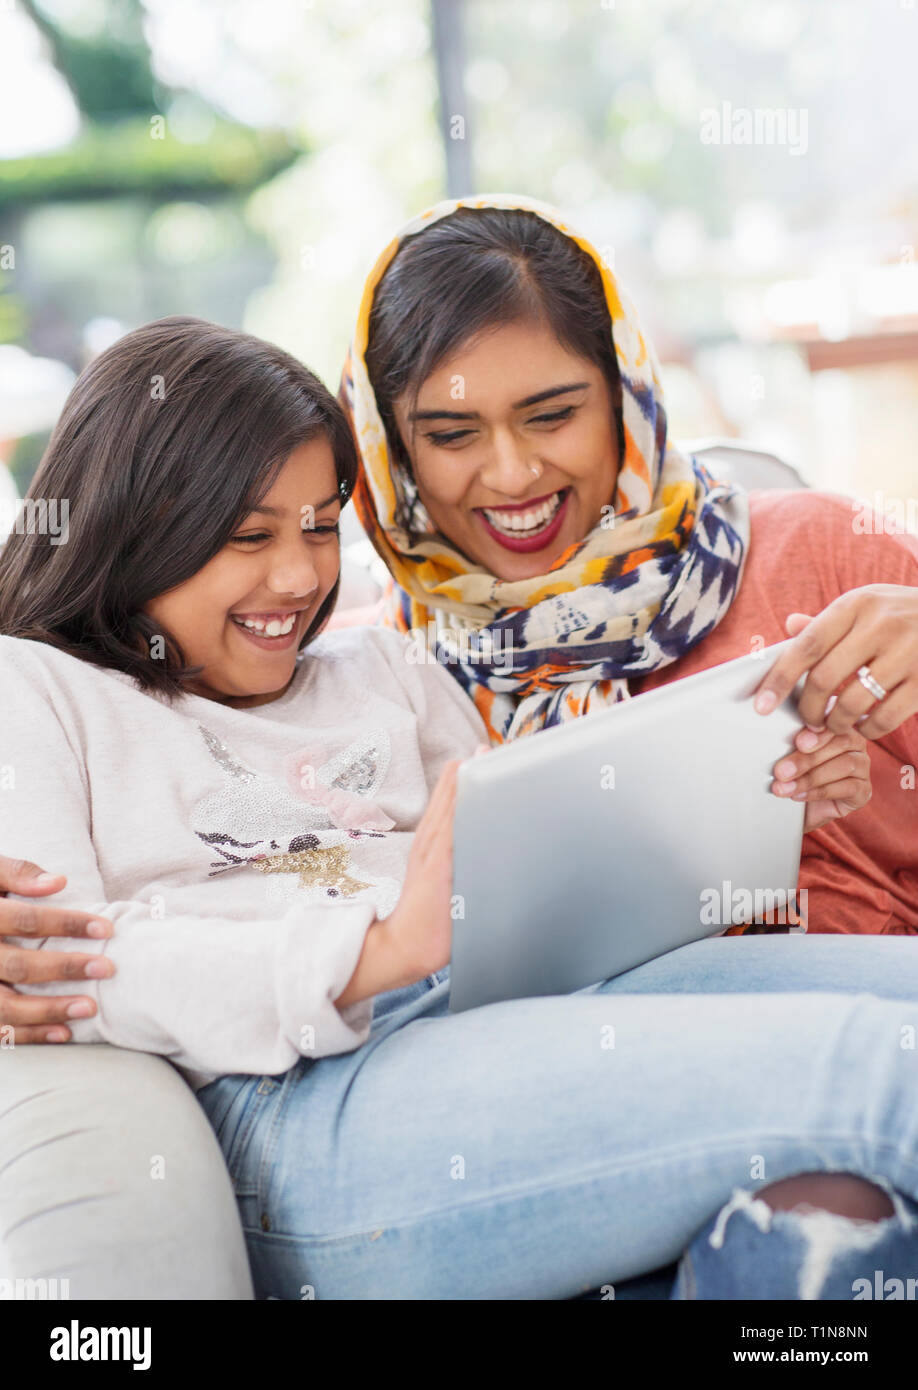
(166, 442)
(472, 270)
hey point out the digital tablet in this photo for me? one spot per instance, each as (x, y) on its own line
(584, 850)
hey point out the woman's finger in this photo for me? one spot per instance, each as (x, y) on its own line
(821, 812)
(795, 764)
(796, 622)
(851, 793)
(809, 740)
(856, 701)
(22, 1036)
(39, 920)
(829, 674)
(20, 966)
(22, 876)
(854, 792)
(885, 715)
(805, 650)
(846, 765)
(44, 1011)
(844, 760)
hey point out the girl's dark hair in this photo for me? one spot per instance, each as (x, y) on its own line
(472, 270)
(166, 442)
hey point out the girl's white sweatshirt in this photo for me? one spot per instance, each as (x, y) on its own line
(241, 854)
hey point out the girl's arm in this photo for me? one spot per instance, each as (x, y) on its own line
(214, 995)
(416, 939)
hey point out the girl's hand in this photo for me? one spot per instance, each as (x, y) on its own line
(831, 772)
(875, 626)
(420, 930)
(41, 1018)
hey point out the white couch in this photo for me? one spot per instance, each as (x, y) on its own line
(111, 1178)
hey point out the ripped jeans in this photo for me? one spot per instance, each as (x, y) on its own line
(750, 1251)
(541, 1148)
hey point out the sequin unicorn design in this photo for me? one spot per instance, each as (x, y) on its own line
(303, 832)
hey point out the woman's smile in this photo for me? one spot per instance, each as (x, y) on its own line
(526, 526)
(530, 458)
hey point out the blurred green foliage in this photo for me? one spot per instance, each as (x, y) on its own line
(126, 157)
(27, 452)
(108, 72)
(13, 315)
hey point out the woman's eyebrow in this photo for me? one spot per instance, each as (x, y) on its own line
(282, 511)
(517, 405)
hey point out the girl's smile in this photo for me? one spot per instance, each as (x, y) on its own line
(243, 616)
(271, 631)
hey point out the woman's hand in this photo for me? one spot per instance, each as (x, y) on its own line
(875, 626)
(831, 772)
(26, 1018)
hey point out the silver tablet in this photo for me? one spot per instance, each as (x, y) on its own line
(584, 850)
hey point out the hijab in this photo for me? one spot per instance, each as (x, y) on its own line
(652, 578)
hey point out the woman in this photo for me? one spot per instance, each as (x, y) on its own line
(499, 375)
(281, 902)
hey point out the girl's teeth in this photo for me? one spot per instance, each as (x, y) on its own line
(515, 522)
(277, 627)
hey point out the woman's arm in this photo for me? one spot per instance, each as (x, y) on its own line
(24, 1019)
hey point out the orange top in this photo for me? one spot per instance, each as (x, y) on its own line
(860, 873)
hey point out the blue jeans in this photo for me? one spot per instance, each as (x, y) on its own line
(540, 1148)
(750, 1251)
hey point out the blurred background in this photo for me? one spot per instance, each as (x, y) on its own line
(750, 170)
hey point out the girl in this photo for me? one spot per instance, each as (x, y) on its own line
(518, 481)
(244, 801)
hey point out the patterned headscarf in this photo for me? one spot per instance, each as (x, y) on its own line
(627, 598)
